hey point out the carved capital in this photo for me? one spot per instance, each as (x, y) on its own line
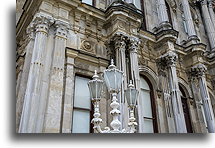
(168, 59)
(133, 44)
(203, 2)
(119, 40)
(61, 29)
(198, 70)
(42, 23)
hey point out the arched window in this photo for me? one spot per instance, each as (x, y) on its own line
(148, 106)
(186, 110)
(168, 12)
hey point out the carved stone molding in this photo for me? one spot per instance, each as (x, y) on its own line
(86, 45)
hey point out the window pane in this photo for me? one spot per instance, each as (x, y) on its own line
(81, 121)
(144, 84)
(90, 2)
(148, 126)
(147, 109)
(137, 3)
(82, 94)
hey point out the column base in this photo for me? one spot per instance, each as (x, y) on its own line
(162, 26)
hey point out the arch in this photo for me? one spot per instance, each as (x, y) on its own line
(169, 12)
(150, 74)
(186, 110)
(186, 87)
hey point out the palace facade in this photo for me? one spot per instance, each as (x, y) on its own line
(166, 47)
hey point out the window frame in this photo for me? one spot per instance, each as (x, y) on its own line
(83, 109)
(153, 104)
(93, 3)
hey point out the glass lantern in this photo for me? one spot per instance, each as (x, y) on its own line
(113, 78)
(95, 87)
(131, 95)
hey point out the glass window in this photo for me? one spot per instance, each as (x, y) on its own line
(147, 107)
(89, 2)
(137, 3)
(82, 106)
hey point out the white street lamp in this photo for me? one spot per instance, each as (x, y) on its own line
(131, 95)
(113, 79)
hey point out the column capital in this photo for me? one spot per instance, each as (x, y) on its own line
(42, 23)
(119, 40)
(198, 70)
(133, 44)
(203, 2)
(61, 29)
(168, 59)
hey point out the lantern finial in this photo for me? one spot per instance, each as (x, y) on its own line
(95, 76)
(111, 66)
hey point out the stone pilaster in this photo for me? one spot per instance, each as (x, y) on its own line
(189, 21)
(20, 92)
(169, 61)
(201, 124)
(211, 11)
(198, 71)
(162, 12)
(133, 47)
(208, 24)
(68, 94)
(54, 106)
(120, 47)
(33, 90)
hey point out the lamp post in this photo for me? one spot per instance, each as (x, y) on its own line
(113, 79)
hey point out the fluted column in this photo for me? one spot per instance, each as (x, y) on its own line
(201, 128)
(133, 47)
(208, 24)
(189, 20)
(199, 71)
(120, 47)
(169, 60)
(33, 89)
(162, 12)
(212, 14)
(54, 106)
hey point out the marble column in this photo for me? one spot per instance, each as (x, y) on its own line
(24, 75)
(56, 88)
(211, 11)
(133, 46)
(169, 59)
(120, 47)
(199, 71)
(201, 124)
(208, 24)
(33, 89)
(162, 12)
(189, 20)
